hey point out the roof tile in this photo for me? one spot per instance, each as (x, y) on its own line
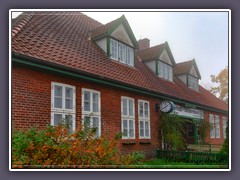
(62, 38)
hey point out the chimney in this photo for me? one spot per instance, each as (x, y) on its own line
(144, 44)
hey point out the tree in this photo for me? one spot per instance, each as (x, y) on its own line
(172, 129)
(221, 88)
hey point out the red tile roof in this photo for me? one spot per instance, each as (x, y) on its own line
(185, 67)
(151, 53)
(62, 38)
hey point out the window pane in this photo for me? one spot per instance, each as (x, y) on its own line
(69, 93)
(57, 119)
(86, 101)
(95, 102)
(113, 49)
(58, 90)
(165, 71)
(57, 102)
(170, 73)
(146, 109)
(160, 68)
(130, 56)
(131, 128)
(68, 98)
(96, 125)
(122, 52)
(124, 108)
(68, 104)
(141, 129)
(69, 122)
(131, 107)
(140, 109)
(125, 128)
(146, 129)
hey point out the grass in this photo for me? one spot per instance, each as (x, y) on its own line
(162, 164)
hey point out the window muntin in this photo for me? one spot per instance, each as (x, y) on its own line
(63, 105)
(121, 52)
(144, 119)
(193, 82)
(91, 110)
(165, 71)
(128, 118)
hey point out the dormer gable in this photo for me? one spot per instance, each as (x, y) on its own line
(159, 59)
(117, 40)
(188, 73)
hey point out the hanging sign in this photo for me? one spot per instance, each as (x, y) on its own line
(187, 112)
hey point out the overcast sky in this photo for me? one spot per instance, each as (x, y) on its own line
(199, 35)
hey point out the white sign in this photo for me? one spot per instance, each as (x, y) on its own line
(187, 112)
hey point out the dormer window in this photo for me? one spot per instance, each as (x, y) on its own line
(121, 52)
(192, 82)
(165, 71)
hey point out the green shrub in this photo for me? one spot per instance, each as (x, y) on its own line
(55, 147)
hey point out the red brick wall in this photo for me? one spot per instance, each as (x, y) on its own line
(217, 141)
(31, 105)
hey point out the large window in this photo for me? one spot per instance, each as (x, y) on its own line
(165, 71)
(63, 105)
(121, 52)
(215, 126)
(224, 123)
(91, 110)
(144, 119)
(193, 82)
(128, 118)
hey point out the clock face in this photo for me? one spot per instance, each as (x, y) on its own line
(166, 106)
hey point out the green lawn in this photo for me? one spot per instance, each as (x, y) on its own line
(162, 164)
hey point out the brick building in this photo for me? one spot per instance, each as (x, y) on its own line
(66, 65)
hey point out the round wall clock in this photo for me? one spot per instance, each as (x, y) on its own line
(167, 106)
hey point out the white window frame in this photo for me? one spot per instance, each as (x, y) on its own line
(124, 51)
(144, 119)
(224, 124)
(90, 113)
(217, 127)
(128, 117)
(63, 110)
(212, 129)
(165, 70)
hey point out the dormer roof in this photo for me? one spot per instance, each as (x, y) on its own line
(109, 28)
(187, 67)
(60, 41)
(154, 53)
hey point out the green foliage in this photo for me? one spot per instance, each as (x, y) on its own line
(204, 128)
(221, 89)
(172, 128)
(56, 147)
(225, 147)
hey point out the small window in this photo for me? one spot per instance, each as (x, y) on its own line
(91, 112)
(165, 71)
(63, 105)
(144, 119)
(128, 118)
(121, 52)
(193, 82)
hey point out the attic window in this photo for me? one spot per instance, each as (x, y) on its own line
(121, 52)
(165, 71)
(192, 82)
